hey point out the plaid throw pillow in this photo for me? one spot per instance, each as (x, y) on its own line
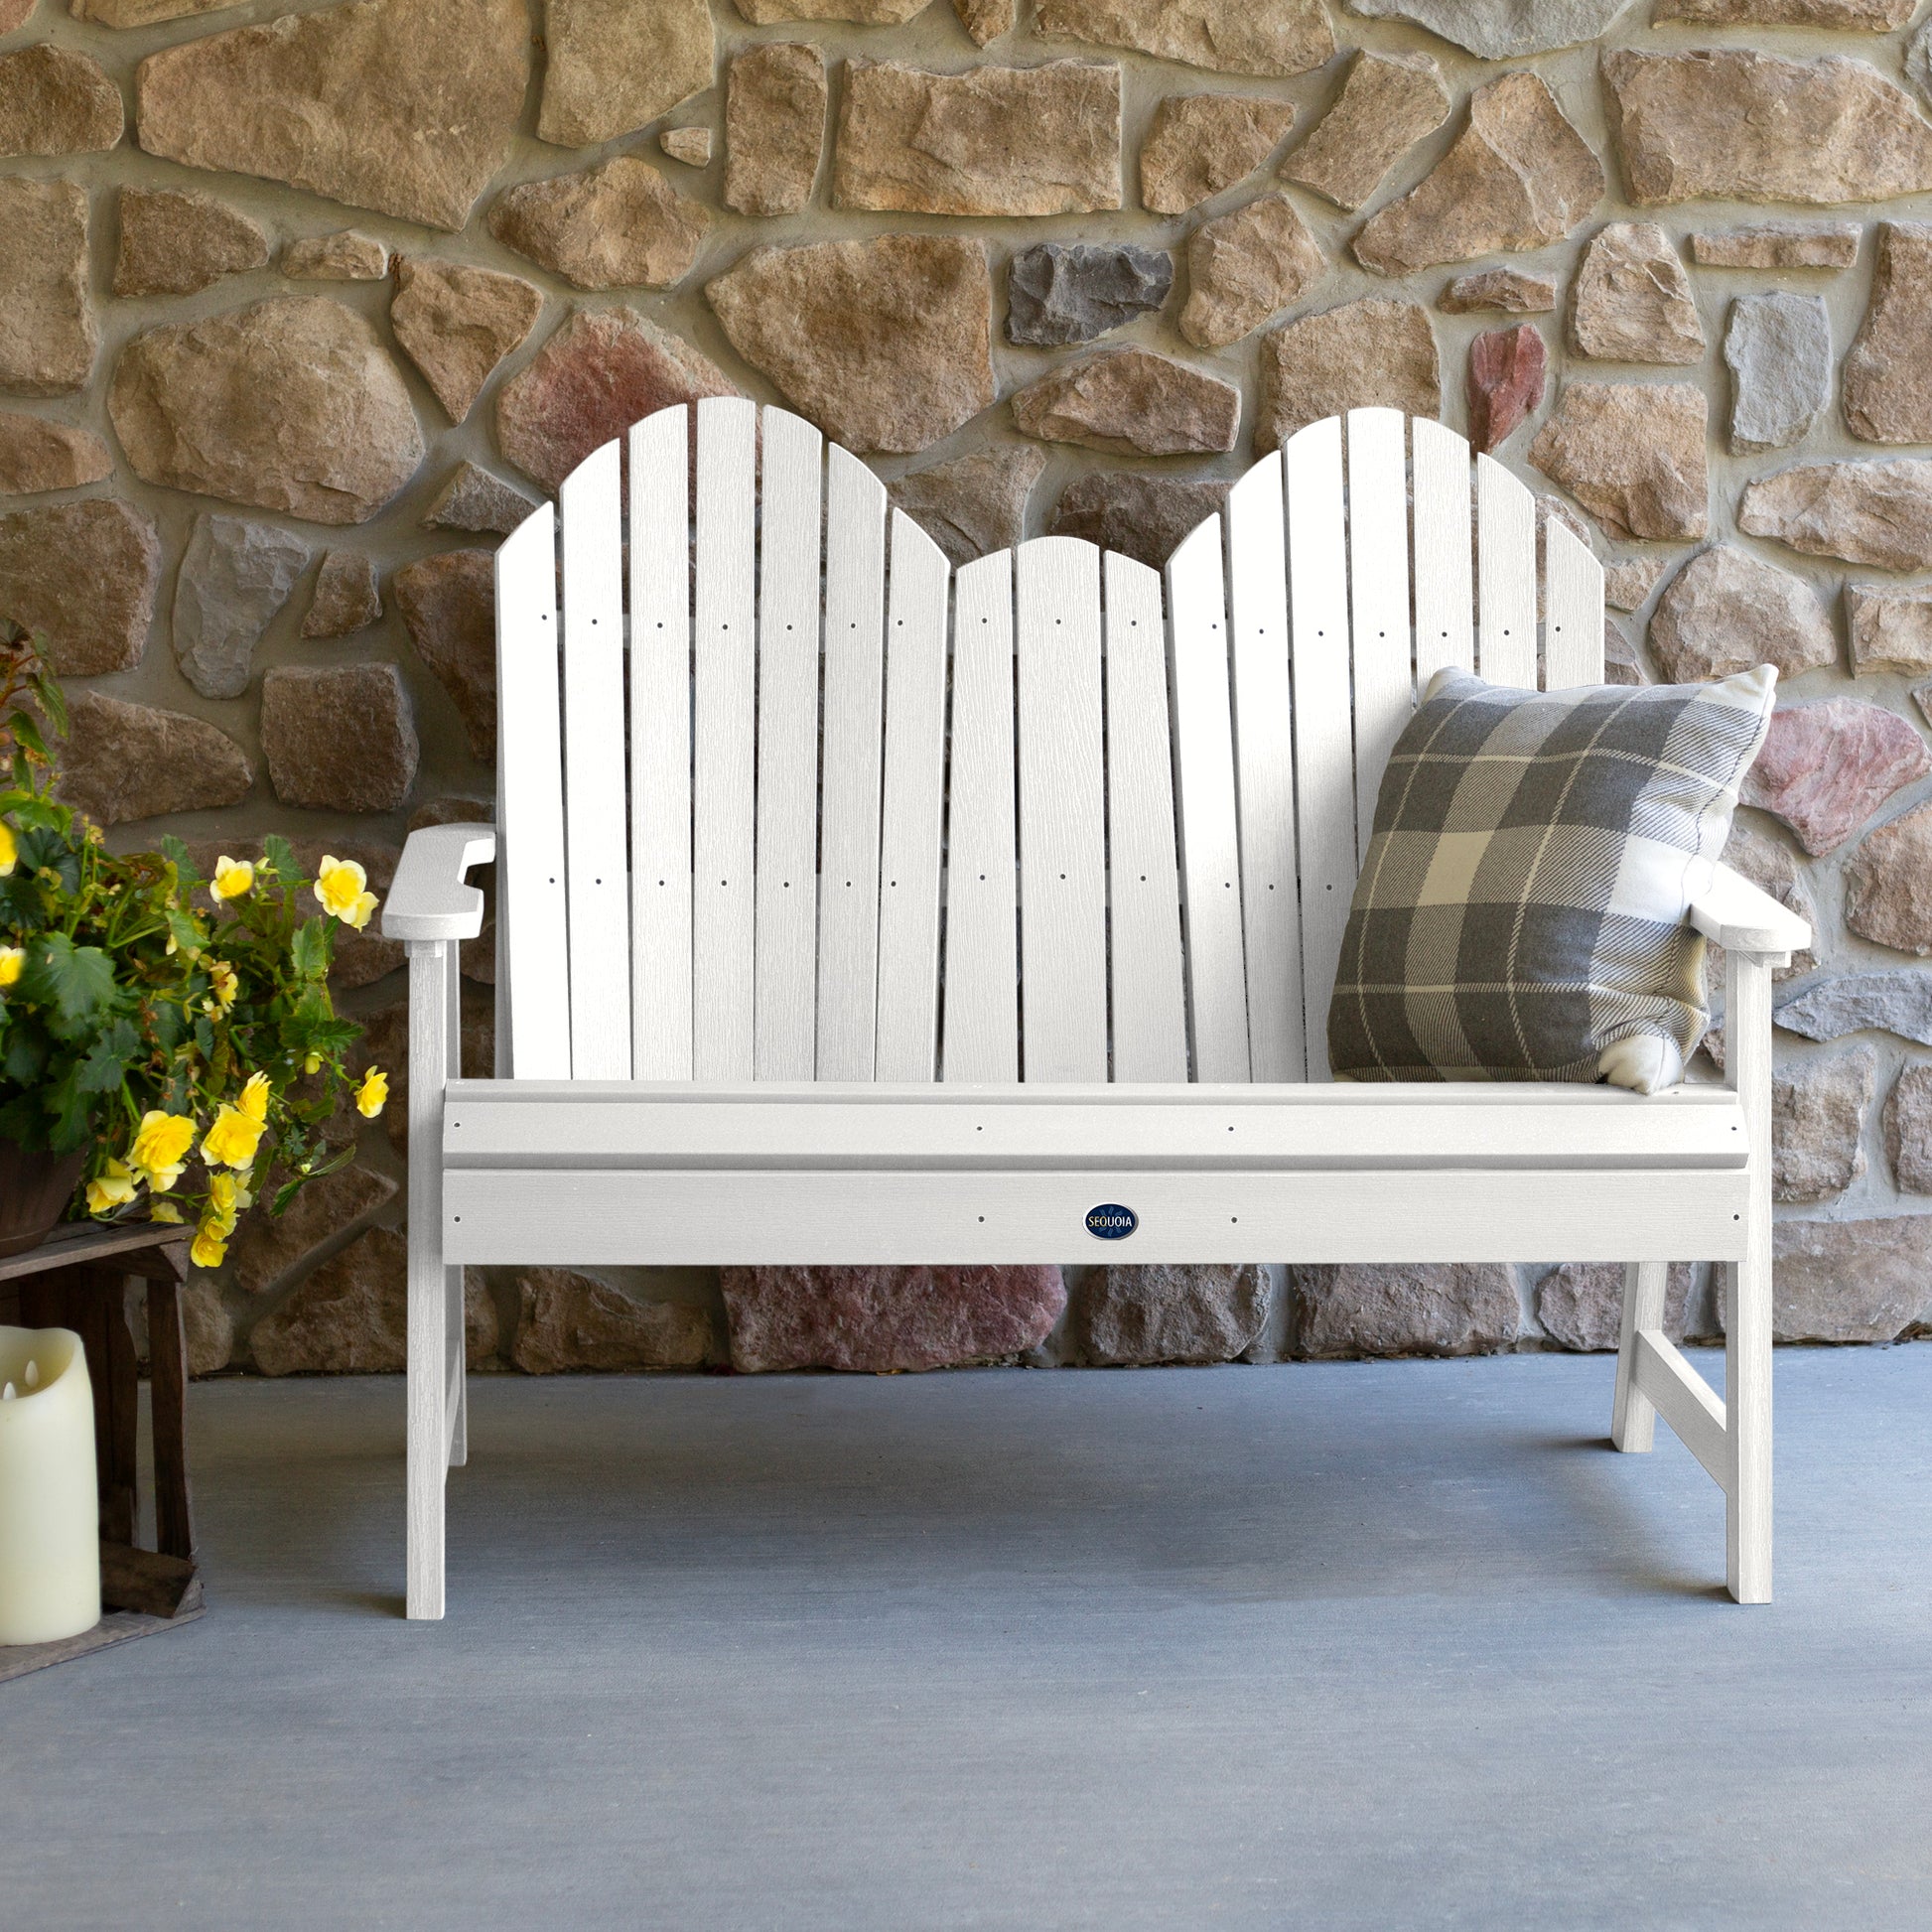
(1520, 911)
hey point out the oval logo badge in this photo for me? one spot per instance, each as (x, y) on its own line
(1111, 1222)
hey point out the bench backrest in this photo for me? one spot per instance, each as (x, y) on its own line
(783, 797)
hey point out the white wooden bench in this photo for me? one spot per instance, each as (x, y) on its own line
(855, 910)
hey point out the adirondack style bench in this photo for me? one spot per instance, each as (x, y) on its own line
(853, 910)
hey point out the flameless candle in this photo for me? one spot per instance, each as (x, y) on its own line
(50, 1523)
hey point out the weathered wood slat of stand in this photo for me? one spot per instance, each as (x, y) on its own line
(85, 1241)
(147, 1580)
(174, 1526)
(119, 1626)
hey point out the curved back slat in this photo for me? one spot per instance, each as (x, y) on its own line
(1505, 576)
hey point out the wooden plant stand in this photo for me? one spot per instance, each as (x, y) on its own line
(78, 1278)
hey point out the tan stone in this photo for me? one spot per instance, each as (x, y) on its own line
(690, 145)
(993, 140)
(1890, 627)
(1198, 144)
(345, 256)
(987, 19)
(1887, 378)
(266, 1246)
(1518, 176)
(1246, 266)
(292, 404)
(174, 242)
(1144, 518)
(473, 499)
(37, 453)
(1628, 582)
(1131, 401)
(1727, 610)
(567, 1321)
(1818, 1110)
(53, 101)
(1386, 105)
(973, 505)
(48, 346)
(1505, 291)
(1830, 244)
(405, 106)
(1888, 884)
(1581, 1303)
(867, 13)
(13, 13)
(1633, 455)
(345, 597)
(1869, 16)
(456, 324)
(1631, 299)
(613, 66)
(774, 127)
(1878, 514)
(1908, 1128)
(449, 607)
(885, 344)
(1734, 124)
(600, 372)
(142, 13)
(126, 762)
(85, 576)
(338, 738)
(1851, 1281)
(617, 225)
(1462, 1308)
(208, 1328)
(1375, 352)
(1278, 37)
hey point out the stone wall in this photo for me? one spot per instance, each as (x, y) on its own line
(303, 309)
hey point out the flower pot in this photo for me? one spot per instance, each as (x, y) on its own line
(34, 1189)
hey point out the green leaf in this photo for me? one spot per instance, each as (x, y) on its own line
(52, 702)
(26, 1055)
(175, 853)
(185, 933)
(311, 949)
(74, 983)
(290, 1188)
(280, 854)
(105, 1065)
(26, 732)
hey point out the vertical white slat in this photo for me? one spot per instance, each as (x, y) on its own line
(594, 774)
(1063, 834)
(914, 806)
(1324, 760)
(531, 902)
(1150, 1002)
(1506, 567)
(723, 736)
(848, 900)
(1572, 611)
(1445, 581)
(1264, 747)
(1210, 863)
(785, 953)
(660, 745)
(982, 980)
(1378, 601)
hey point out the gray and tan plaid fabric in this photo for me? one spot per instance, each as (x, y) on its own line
(1520, 910)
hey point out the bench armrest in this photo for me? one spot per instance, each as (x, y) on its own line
(1731, 910)
(428, 899)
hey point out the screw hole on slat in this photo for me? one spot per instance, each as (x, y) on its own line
(1143, 878)
(982, 1218)
(787, 885)
(1234, 1220)
(1062, 874)
(982, 875)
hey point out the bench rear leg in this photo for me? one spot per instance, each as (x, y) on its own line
(1633, 1419)
(432, 1000)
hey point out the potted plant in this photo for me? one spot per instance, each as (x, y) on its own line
(168, 1045)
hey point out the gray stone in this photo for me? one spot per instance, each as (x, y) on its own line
(1621, 664)
(475, 499)
(48, 346)
(1918, 59)
(1824, 768)
(208, 1328)
(1818, 1110)
(1196, 144)
(774, 127)
(53, 101)
(994, 140)
(1508, 291)
(174, 241)
(449, 607)
(570, 1322)
(1628, 582)
(1898, 1002)
(1246, 266)
(345, 256)
(345, 597)
(235, 574)
(1878, 514)
(1890, 627)
(1143, 518)
(1631, 299)
(619, 224)
(1132, 402)
(1122, 1317)
(1279, 37)
(1518, 176)
(126, 762)
(266, 1246)
(85, 576)
(1922, 697)
(1851, 1281)
(37, 453)
(1064, 292)
(456, 324)
(1908, 1128)
(1734, 124)
(1387, 105)
(1888, 384)
(887, 344)
(1375, 352)
(690, 145)
(1581, 1303)
(340, 738)
(1778, 349)
(973, 505)
(1727, 610)
(1414, 1309)
(1633, 454)
(1888, 884)
(1823, 244)
(405, 106)
(613, 66)
(290, 404)
(1499, 30)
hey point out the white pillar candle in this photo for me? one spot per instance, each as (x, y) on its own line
(50, 1512)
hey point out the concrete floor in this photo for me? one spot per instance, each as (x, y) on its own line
(1327, 1646)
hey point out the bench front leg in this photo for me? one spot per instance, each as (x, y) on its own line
(1747, 1304)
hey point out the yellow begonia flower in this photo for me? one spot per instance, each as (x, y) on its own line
(373, 1094)
(113, 1186)
(9, 851)
(254, 1097)
(313, 1063)
(159, 1149)
(232, 878)
(224, 1201)
(165, 1210)
(231, 1141)
(222, 988)
(210, 1247)
(13, 962)
(342, 887)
